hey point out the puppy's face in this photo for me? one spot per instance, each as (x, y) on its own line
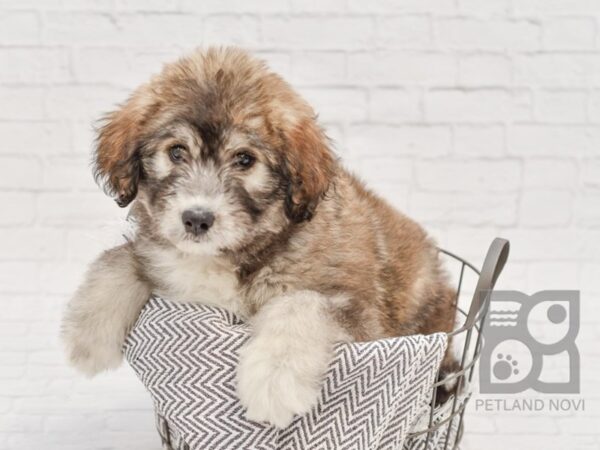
(208, 192)
(217, 151)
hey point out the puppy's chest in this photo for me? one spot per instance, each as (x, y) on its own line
(196, 279)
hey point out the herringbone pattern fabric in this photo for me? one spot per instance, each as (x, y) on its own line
(186, 355)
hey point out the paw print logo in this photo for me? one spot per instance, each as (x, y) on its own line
(505, 367)
(521, 334)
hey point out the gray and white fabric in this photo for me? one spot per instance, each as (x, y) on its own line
(186, 356)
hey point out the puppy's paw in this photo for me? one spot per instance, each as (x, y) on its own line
(275, 389)
(89, 354)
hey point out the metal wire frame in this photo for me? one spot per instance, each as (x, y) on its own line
(474, 321)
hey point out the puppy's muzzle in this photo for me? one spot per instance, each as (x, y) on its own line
(197, 221)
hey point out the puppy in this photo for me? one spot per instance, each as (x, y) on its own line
(240, 203)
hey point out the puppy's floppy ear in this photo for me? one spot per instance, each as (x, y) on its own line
(310, 166)
(117, 161)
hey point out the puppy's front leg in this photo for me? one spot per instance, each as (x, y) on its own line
(103, 310)
(282, 365)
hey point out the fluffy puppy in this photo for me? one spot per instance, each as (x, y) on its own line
(240, 203)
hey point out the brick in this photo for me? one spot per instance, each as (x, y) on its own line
(20, 103)
(383, 170)
(579, 425)
(61, 277)
(570, 7)
(104, 65)
(319, 68)
(594, 106)
(84, 245)
(20, 173)
(493, 34)
(31, 244)
(569, 33)
(12, 423)
(553, 140)
(32, 138)
(136, 30)
(279, 62)
(18, 277)
(399, 141)
(561, 106)
(487, 8)
(587, 212)
(62, 28)
(84, 136)
(19, 208)
(231, 30)
(468, 175)
(547, 244)
(68, 173)
(329, 33)
(119, 67)
(557, 69)
(59, 5)
(19, 28)
(479, 140)
(590, 172)
(395, 105)
(18, 306)
(338, 104)
(316, 6)
(484, 70)
(148, 5)
(88, 103)
(57, 423)
(469, 242)
(533, 425)
(472, 208)
(407, 6)
(552, 275)
(80, 209)
(371, 68)
(544, 207)
(590, 278)
(27, 65)
(130, 421)
(448, 105)
(239, 6)
(550, 173)
(404, 32)
(402, 68)
(5, 403)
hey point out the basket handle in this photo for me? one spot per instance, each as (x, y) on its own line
(490, 271)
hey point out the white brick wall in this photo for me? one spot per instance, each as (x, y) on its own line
(477, 117)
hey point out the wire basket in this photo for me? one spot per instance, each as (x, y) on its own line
(444, 424)
(438, 427)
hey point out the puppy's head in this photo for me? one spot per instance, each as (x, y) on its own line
(216, 151)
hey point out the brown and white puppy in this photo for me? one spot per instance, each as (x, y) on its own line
(240, 203)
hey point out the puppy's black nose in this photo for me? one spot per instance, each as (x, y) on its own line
(197, 221)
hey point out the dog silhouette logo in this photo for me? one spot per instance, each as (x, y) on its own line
(529, 343)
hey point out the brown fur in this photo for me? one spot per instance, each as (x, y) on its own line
(355, 243)
(312, 226)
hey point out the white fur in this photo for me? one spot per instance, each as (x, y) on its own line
(282, 365)
(257, 179)
(208, 195)
(195, 278)
(161, 165)
(102, 312)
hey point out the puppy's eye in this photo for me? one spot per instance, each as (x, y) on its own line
(244, 159)
(176, 153)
